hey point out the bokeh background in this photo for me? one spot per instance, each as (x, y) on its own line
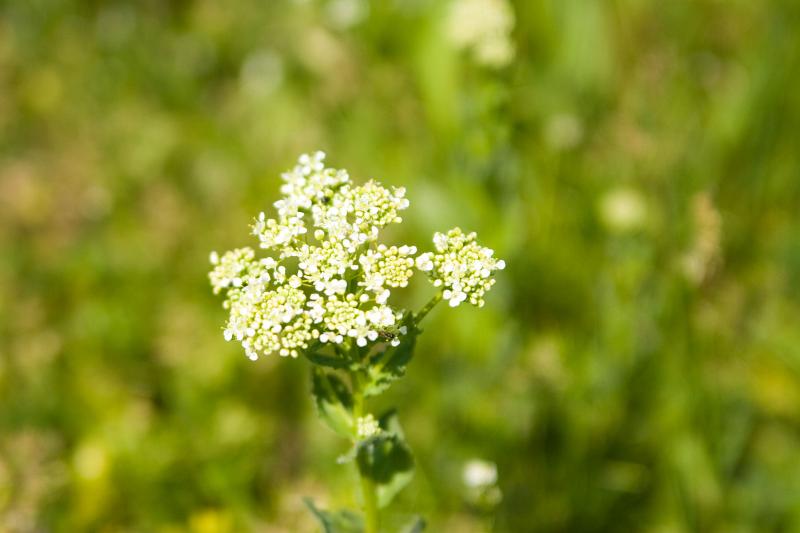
(636, 368)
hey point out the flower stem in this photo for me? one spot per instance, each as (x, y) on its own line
(370, 505)
(428, 306)
(368, 489)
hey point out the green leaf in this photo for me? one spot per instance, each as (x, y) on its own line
(387, 461)
(331, 361)
(347, 457)
(389, 366)
(390, 423)
(343, 521)
(334, 401)
(387, 492)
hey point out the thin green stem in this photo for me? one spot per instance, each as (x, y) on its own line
(358, 395)
(368, 489)
(428, 306)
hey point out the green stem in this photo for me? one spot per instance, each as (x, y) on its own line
(370, 505)
(428, 306)
(368, 489)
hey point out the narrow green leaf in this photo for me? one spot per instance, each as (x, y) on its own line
(334, 401)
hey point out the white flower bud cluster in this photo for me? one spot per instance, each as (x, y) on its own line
(337, 294)
(367, 426)
(386, 266)
(461, 266)
(231, 269)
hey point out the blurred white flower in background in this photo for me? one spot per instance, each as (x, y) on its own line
(343, 14)
(261, 73)
(484, 28)
(623, 210)
(563, 131)
(480, 482)
(479, 474)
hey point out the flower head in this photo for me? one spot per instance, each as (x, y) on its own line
(326, 280)
(461, 266)
(336, 289)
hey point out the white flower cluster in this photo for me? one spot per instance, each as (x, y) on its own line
(326, 279)
(342, 281)
(386, 266)
(479, 474)
(367, 426)
(480, 482)
(461, 266)
(483, 27)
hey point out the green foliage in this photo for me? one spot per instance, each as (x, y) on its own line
(389, 365)
(387, 461)
(342, 521)
(382, 457)
(334, 401)
(330, 361)
(400, 463)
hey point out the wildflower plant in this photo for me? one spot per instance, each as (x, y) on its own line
(322, 289)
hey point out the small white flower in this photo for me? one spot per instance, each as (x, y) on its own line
(382, 316)
(382, 297)
(424, 262)
(440, 241)
(479, 474)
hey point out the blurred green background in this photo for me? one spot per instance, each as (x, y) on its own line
(636, 368)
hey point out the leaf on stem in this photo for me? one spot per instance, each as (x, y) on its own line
(389, 366)
(390, 423)
(386, 459)
(334, 401)
(331, 361)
